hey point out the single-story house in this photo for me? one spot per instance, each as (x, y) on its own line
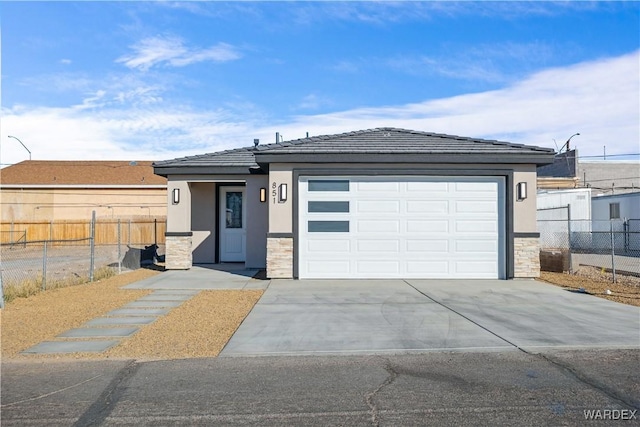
(53, 190)
(378, 203)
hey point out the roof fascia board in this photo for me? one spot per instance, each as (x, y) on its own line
(202, 170)
(535, 158)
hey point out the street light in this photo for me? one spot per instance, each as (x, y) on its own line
(567, 143)
(25, 147)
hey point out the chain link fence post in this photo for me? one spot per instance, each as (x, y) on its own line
(569, 238)
(92, 244)
(44, 267)
(613, 252)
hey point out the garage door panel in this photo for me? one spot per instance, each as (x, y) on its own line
(329, 246)
(426, 226)
(479, 268)
(428, 187)
(402, 227)
(427, 246)
(428, 206)
(428, 268)
(378, 267)
(378, 245)
(388, 226)
(377, 206)
(377, 186)
(476, 207)
(477, 246)
(327, 268)
(475, 226)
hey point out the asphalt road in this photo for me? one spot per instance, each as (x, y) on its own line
(443, 389)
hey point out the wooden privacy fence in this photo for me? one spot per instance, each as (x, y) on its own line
(107, 231)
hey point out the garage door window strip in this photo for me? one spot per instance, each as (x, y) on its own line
(329, 207)
(328, 185)
(328, 226)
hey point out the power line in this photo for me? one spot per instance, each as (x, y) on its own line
(608, 155)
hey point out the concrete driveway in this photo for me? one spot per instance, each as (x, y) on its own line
(404, 316)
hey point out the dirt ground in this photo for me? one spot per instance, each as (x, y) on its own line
(596, 282)
(200, 327)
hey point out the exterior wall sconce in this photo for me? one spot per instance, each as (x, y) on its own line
(263, 195)
(175, 196)
(282, 193)
(521, 191)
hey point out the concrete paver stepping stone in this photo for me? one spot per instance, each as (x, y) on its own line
(166, 297)
(51, 347)
(174, 292)
(153, 304)
(119, 321)
(144, 312)
(98, 332)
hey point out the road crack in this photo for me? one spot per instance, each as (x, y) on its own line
(104, 404)
(369, 397)
(612, 393)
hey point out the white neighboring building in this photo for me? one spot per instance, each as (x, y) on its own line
(616, 206)
(555, 208)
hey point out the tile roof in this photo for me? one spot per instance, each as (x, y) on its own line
(243, 157)
(371, 141)
(399, 141)
(95, 173)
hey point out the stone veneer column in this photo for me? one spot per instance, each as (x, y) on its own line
(526, 257)
(279, 257)
(178, 251)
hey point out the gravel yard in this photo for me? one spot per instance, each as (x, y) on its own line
(200, 327)
(595, 281)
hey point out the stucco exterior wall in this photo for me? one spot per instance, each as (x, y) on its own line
(280, 213)
(524, 211)
(257, 222)
(203, 221)
(178, 215)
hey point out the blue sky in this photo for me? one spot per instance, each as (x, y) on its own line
(159, 80)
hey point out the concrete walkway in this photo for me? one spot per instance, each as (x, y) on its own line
(398, 316)
(170, 290)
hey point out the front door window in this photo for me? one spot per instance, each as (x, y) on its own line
(234, 209)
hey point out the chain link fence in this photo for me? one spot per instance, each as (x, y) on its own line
(29, 266)
(612, 246)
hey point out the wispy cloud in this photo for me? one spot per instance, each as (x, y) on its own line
(599, 99)
(172, 51)
(312, 102)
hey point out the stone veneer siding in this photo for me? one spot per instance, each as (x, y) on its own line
(178, 253)
(280, 257)
(526, 256)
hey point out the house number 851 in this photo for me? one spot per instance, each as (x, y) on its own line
(274, 191)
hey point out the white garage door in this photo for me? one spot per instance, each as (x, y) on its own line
(401, 227)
